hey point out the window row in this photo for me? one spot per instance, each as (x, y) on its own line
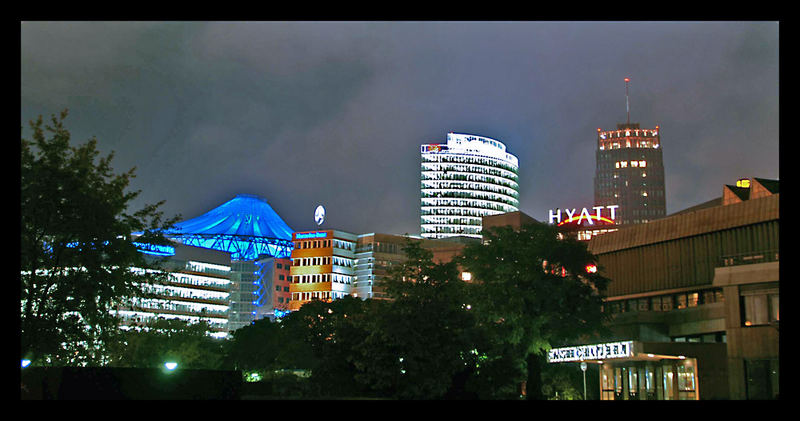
(490, 162)
(322, 260)
(475, 203)
(471, 177)
(633, 164)
(666, 302)
(344, 245)
(317, 295)
(446, 169)
(322, 277)
(466, 186)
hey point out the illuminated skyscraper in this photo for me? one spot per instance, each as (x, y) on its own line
(463, 180)
(630, 172)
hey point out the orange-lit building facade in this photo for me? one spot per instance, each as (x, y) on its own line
(323, 266)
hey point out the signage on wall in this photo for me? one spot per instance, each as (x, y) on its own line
(319, 215)
(155, 249)
(312, 234)
(555, 217)
(591, 352)
(433, 148)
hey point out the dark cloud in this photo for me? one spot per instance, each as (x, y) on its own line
(304, 113)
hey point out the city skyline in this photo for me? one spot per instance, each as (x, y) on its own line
(333, 113)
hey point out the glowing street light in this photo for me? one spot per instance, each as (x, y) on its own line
(26, 363)
(170, 365)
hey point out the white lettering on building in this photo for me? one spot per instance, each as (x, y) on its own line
(591, 352)
(555, 217)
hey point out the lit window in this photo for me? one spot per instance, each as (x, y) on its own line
(642, 164)
(466, 276)
(617, 164)
(644, 174)
(624, 164)
(634, 163)
(644, 193)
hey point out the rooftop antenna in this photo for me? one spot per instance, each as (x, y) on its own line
(627, 102)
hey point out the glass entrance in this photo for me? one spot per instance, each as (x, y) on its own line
(649, 380)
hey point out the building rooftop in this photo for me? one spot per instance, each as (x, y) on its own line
(246, 226)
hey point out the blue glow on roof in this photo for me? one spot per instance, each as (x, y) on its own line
(245, 226)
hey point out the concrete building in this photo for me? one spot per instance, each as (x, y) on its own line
(701, 285)
(693, 301)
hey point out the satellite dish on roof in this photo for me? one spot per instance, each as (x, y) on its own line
(319, 215)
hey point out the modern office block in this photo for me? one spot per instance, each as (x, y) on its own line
(463, 180)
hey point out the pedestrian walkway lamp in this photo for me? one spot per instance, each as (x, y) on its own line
(583, 368)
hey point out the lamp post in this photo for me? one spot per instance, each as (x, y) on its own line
(583, 368)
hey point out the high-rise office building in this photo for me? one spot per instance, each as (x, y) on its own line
(464, 180)
(630, 172)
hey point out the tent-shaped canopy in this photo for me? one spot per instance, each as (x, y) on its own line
(246, 226)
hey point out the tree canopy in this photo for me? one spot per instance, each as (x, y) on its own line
(75, 245)
(534, 291)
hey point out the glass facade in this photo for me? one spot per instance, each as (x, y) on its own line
(649, 380)
(192, 291)
(463, 180)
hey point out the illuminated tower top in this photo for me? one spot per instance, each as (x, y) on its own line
(630, 171)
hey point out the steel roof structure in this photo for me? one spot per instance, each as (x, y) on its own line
(246, 226)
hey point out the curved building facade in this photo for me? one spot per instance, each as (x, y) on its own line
(463, 180)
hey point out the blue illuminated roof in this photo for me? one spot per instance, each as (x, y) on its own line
(246, 226)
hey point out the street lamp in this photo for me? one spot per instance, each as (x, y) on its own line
(26, 363)
(583, 368)
(170, 365)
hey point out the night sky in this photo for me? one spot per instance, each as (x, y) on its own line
(334, 113)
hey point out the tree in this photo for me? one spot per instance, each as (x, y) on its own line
(76, 247)
(533, 291)
(421, 338)
(162, 340)
(333, 331)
